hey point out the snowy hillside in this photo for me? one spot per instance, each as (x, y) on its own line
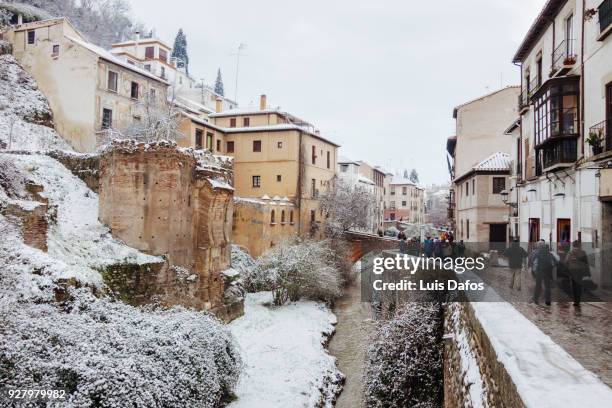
(57, 335)
(26, 121)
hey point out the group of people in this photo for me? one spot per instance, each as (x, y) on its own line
(442, 247)
(570, 262)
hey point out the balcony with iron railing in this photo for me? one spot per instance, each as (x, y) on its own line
(601, 131)
(563, 57)
(561, 153)
(523, 99)
(534, 85)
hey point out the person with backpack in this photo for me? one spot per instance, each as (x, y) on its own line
(515, 255)
(542, 262)
(577, 265)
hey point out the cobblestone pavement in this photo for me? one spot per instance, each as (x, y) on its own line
(584, 332)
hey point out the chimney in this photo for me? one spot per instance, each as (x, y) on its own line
(136, 40)
(218, 105)
(262, 102)
(19, 19)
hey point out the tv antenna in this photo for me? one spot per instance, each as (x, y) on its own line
(238, 54)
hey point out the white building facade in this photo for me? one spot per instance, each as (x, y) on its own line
(566, 99)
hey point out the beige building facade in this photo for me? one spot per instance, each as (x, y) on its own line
(404, 201)
(479, 163)
(278, 154)
(89, 89)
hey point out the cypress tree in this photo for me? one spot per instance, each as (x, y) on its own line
(179, 50)
(219, 84)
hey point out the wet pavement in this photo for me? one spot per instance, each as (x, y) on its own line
(585, 332)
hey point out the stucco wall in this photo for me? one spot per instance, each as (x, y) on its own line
(253, 227)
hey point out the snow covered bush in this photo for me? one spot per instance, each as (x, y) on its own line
(54, 333)
(114, 355)
(301, 269)
(404, 367)
(254, 279)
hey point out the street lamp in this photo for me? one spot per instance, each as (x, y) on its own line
(504, 196)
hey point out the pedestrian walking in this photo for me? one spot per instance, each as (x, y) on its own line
(516, 256)
(578, 268)
(542, 262)
(428, 247)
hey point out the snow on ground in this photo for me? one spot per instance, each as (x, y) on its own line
(285, 362)
(23, 109)
(544, 373)
(78, 238)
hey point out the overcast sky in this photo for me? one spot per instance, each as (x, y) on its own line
(380, 78)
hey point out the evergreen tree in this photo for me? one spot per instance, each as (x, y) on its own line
(405, 173)
(180, 50)
(414, 176)
(219, 84)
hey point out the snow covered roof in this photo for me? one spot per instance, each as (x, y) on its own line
(108, 56)
(248, 110)
(402, 181)
(346, 160)
(202, 121)
(278, 127)
(193, 104)
(496, 162)
(363, 179)
(142, 41)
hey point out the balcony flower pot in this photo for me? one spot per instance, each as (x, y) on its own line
(595, 140)
(570, 60)
(597, 150)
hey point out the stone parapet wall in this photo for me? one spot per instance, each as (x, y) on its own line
(472, 369)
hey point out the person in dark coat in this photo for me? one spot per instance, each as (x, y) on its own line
(542, 263)
(577, 265)
(516, 255)
(428, 247)
(437, 248)
(461, 249)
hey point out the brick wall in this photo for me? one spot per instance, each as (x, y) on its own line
(161, 200)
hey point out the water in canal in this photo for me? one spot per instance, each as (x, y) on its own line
(350, 342)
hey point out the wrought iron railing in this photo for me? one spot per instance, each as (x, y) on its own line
(533, 86)
(562, 152)
(603, 131)
(523, 99)
(605, 15)
(564, 55)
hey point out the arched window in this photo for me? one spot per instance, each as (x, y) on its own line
(272, 217)
(291, 217)
(283, 216)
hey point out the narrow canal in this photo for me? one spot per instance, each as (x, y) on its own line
(350, 342)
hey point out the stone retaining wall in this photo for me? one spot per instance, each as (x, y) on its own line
(471, 367)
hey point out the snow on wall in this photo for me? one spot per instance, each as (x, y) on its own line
(285, 361)
(545, 375)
